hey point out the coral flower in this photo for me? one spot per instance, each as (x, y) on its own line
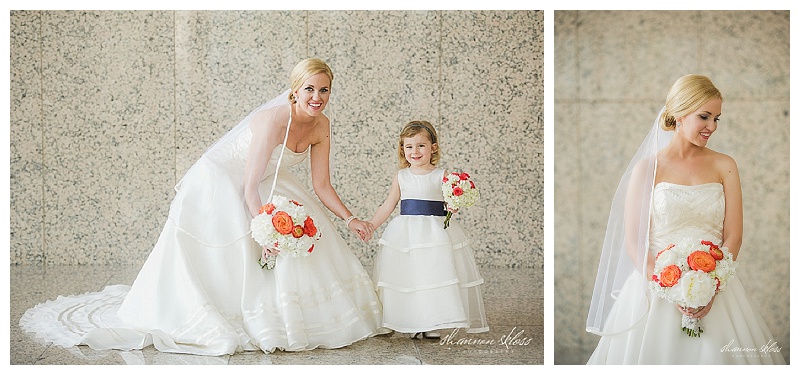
(268, 208)
(670, 275)
(701, 261)
(309, 228)
(297, 231)
(282, 222)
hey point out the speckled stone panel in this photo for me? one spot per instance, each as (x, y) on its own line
(26, 148)
(130, 99)
(492, 111)
(108, 110)
(610, 83)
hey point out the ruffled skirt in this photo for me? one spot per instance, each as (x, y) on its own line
(426, 277)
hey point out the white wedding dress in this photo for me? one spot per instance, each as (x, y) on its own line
(734, 332)
(425, 275)
(201, 290)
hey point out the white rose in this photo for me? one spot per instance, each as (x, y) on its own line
(695, 288)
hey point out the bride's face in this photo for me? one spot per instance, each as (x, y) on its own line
(698, 126)
(312, 97)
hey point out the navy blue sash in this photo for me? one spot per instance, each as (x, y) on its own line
(422, 207)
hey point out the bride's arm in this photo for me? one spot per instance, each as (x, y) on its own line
(267, 134)
(321, 180)
(733, 224)
(637, 203)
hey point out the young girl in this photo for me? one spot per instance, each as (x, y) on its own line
(425, 275)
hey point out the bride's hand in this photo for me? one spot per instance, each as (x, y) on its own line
(362, 229)
(269, 251)
(699, 312)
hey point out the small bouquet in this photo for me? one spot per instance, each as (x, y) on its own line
(459, 191)
(284, 225)
(690, 274)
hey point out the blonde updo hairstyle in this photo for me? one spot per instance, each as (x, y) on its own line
(413, 128)
(688, 94)
(304, 70)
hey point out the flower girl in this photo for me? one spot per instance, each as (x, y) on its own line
(425, 275)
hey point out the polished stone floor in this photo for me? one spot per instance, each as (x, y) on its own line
(514, 300)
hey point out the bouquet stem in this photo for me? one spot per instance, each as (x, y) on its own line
(447, 219)
(267, 261)
(692, 326)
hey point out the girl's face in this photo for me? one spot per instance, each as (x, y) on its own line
(312, 97)
(698, 126)
(418, 150)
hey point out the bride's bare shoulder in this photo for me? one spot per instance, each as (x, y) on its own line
(270, 119)
(724, 165)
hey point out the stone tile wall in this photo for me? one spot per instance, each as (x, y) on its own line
(110, 108)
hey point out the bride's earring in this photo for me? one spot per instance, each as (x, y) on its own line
(677, 127)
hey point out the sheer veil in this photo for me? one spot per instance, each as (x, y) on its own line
(232, 134)
(625, 248)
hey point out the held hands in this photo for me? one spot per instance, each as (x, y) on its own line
(362, 229)
(699, 312)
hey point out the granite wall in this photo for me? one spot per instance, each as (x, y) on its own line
(612, 73)
(110, 108)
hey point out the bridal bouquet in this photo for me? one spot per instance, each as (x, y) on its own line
(689, 274)
(284, 225)
(459, 192)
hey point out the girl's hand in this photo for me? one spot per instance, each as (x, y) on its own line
(363, 229)
(453, 210)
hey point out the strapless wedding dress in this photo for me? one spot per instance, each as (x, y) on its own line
(201, 290)
(734, 332)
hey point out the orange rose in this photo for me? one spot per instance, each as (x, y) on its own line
(670, 275)
(457, 191)
(297, 231)
(268, 208)
(716, 253)
(282, 222)
(309, 228)
(701, 261)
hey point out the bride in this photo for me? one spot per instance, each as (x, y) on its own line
(675, 188)
(202, 290)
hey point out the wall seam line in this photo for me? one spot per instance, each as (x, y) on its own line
(43, 247)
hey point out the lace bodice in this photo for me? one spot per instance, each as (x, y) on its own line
(234, 155)
(682, 212)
